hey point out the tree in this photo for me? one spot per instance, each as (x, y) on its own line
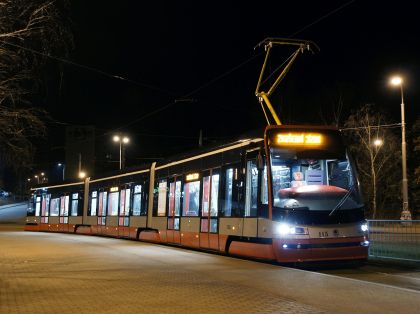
(30, 31)
(376, 151)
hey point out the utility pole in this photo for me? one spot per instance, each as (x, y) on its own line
(80, 162)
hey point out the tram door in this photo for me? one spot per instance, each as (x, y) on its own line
(209, 237)
(124, 213)
(174, 211)
(64, 213)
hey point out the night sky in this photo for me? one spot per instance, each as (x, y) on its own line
(203, 51)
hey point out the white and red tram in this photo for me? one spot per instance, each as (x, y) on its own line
(290, 196)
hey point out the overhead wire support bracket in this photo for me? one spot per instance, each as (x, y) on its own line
(268, 43)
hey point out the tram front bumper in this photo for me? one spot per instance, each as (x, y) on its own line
(305, 250)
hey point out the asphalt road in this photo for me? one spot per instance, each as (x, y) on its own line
(13, 213)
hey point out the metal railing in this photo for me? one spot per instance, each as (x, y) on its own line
(395, 239)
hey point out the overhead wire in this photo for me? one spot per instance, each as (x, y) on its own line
(304, 28)
(89, 68)
(239, 66)
(385, 126)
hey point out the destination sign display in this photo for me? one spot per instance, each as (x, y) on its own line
(300, 138)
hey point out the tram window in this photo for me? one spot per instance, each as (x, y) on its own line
(102, 208)
(251, 188)
(113, 204)
(102, 204)
(137, 200)
(191, 198)
(214, 194)
(211, 196)
(161, 211)
(231, 199)
(74, 204)
(338, 173)
(93, 203)
(30, 210)
(171, 199)
(45, 205)
(54, 206)
(125, 202)
(204, 225)
(174, 209)
(177, 199)
(64, 205)
(123, 221)
(173, 223)
(264, 187)
(122, 202)
(213, 225)
(38, 206)
(228, 192)
(206, 196)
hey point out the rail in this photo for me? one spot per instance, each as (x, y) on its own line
(395, 239)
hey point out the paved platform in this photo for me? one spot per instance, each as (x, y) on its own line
(64, 273)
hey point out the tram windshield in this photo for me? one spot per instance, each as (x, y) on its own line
(313, 180)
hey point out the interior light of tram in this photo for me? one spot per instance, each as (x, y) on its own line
(299, 138)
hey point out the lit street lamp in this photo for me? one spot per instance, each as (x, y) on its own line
(82, 174)
(121, 140)
(405, 214)
(378, 142)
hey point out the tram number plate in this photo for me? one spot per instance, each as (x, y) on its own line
(323, 234)
(329, 233)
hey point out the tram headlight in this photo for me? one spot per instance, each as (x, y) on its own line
(364, 227)
(285, 229)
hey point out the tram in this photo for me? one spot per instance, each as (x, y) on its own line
(289, 196)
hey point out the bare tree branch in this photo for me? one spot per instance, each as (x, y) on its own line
(27, 26)
(376, 164)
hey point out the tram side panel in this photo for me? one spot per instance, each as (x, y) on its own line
(117, 206)
(56, 208)
(198, 219)
(202, 203)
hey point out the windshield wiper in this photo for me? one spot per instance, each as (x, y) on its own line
(342, 201)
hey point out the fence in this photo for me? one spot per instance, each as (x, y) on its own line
(395, 239)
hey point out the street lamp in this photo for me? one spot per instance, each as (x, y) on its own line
(37, 178)
(405, 214)
(82, 174)
(121, 140)
(378, 142)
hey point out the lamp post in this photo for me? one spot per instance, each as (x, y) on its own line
(121, 140)
(405, 214)
(63, 167)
